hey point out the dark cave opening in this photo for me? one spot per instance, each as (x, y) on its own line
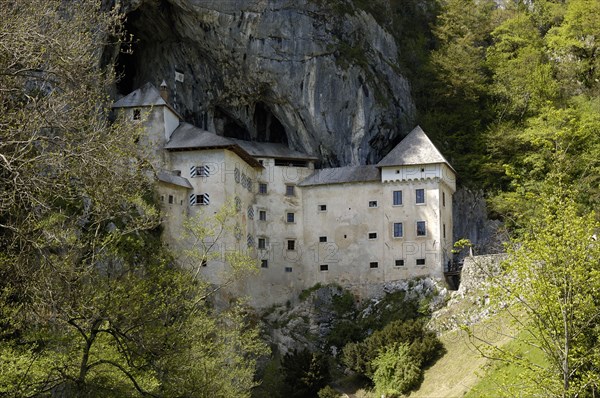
(126, 65)
(230, 127)
(268, 127)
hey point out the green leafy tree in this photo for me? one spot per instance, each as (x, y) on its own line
(396, 372)
(90, 303)
(551, 286)
(305, 373)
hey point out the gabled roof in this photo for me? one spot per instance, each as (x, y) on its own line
(416, 148)
(340, 175)
(189, 137)
(271, 150)
(147, 95)
(173, 179)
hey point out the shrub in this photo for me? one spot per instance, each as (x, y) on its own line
(328, 392)
(396, 371)
(424, 346)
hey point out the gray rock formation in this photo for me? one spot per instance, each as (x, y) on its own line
(305, 73)
(469, 211)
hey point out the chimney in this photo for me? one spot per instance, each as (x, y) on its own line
(164, 91)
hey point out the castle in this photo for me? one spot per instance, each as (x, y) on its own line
(357, 226)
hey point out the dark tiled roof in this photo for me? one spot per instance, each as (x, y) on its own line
(339, 175)
(147, 95)
(416, 148)
(173, 179)
(272, 150)
(190, 137)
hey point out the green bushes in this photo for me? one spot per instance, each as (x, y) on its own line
(422, 348)
(396, 371)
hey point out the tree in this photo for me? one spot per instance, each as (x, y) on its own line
(305, 373)
(550, 283)
(396, 372)
(91, 304)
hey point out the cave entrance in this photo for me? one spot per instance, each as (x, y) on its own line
(126, 65)
(268, 127)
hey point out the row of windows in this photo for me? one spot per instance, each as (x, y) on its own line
(372, 264)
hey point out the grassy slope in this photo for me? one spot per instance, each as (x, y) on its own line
(457, 372)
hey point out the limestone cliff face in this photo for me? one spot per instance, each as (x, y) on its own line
(319, 78)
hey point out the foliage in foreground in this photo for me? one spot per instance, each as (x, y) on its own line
(90, 303)
(552, 284)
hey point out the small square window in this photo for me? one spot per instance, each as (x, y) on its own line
(322, 239)
(397, 198)
(290, 190)
(262, 215)
(291, 244)
(399, 263)
(262, 243)
(398, 230)
(261, 162)
(373, 264)
(262, 188)
(421, 228)
(420, 196)
(322, 207)
(171, 199)
(372, 235)
(324, 267)
(288, 269)
(264, 263)
(290, 217)
(372, 203)
(137, 114)
(420, 261)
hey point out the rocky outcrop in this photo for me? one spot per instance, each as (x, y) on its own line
(470, 218)
(316, 75)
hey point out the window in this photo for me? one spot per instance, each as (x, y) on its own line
(398, 230)
(288, 269)
(264, 263)
(171, 199)
(372, 203)
(399, 263)
(250, 240)
(290, 217)
(261, 162)
(397, 198)
(262, 243)
(324, 267)
(373, 264)
(199, 171)
(421, 228)
(322, 239)
(372, 235)
(199, 200)
(162, 198)
(322, 207)
(238, 204)
(420, 196)
(236, 175)
(291, 244)
(250, 212)
(420, 261)
(444, 230)
(203, 262)
(137, 114)
(290, 190)
(262, 215)
(443, 198)
(262, 188)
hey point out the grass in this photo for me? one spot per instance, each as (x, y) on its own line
(457, 372)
